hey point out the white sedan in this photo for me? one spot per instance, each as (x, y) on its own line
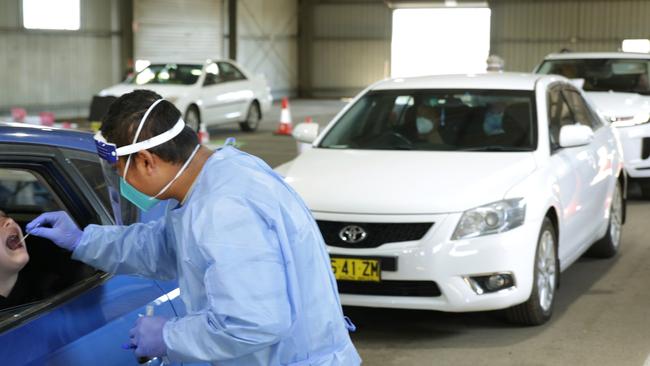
(462, 193)
(208, 93)
(618, 83)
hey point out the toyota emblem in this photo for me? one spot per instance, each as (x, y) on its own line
(352, 234)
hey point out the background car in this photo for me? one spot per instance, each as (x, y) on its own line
(85, 315)
(207, 93)
(462, 193)
(618, 83)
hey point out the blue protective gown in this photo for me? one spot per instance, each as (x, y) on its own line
(252, 268)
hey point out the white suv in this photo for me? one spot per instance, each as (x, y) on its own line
(462, 193)
(619, 86)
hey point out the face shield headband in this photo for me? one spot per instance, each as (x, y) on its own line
(109, 152)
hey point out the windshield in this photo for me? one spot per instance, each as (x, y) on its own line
(170, 74)
(437, 120)
(628, 76)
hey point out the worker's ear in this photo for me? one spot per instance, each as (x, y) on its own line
(148, 163)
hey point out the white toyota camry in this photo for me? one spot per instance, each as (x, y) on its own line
(462, 193)
(618, 83)
(209, 93)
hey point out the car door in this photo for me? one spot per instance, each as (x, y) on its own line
(237, 91)
(87, 319)
(602, 153)
(574, 170)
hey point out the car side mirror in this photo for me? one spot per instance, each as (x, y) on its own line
(575, 135)
(306, 132)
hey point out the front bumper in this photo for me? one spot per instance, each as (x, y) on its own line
(447, 263)
(636, 150)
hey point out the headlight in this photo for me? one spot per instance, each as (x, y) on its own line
(493, 218)
(639, 119)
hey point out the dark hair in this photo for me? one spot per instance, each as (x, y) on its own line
(123, 117)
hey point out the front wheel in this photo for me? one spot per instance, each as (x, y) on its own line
(253, 118)
(538, 308)
(607, 247)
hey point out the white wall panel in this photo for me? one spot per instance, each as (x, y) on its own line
(58, 71)
(524, 31)
(177, 29)
(268, 43)
(350, 48)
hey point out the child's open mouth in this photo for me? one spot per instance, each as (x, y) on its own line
(13, 242)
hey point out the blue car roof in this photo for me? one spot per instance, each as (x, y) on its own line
(46, 136)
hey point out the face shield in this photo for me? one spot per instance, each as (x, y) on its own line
(109, 154)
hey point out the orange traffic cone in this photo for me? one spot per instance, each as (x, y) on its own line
(204, 135)
(285, 119)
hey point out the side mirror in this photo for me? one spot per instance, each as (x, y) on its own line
(575, 135)
(305, 132)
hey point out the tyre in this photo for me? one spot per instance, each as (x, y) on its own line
(607, 247)
(538, 308)
(253, 118)
(193, 118)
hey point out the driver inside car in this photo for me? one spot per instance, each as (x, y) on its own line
(13, 258)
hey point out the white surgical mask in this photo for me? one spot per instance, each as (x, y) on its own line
(424, 125)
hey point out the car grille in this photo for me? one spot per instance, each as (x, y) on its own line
(377, 233)
(390, 288)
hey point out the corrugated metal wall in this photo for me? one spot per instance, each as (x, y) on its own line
(58, 70)
(349, 47)
(178, 29)
(524, 31)
(268, 42)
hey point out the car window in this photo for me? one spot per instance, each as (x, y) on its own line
(620, 75)
(43, 270)
(21, 191)
(168, 74)
(91, 171)
(212, 75)
(559, 114)
(578, 107)
(437, 120)
(229, 72)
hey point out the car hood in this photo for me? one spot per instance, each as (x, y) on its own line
(165, 91)
(404, 182)
(620, 105)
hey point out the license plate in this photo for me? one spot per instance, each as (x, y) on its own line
(356, 269)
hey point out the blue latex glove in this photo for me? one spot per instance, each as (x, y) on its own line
(147, 337)
(58, 227)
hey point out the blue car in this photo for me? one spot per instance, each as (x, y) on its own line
(76, 315)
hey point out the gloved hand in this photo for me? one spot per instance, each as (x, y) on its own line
(58, 227)
(147, 337)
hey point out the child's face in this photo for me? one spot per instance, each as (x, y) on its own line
(13, 252)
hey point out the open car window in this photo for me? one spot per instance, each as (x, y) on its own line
(43, 270)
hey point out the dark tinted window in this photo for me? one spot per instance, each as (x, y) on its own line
(172, 74)
(229, 72)
(437, 120)
(43, 269)
(603, 74)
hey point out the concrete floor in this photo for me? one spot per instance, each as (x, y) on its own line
(602, 312)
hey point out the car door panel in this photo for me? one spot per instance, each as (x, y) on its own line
(89, 328)
(87, 323)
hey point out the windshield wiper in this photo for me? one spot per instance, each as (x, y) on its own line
(496, 148)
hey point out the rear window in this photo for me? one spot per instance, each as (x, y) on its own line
(437, 120)
(628, 76)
